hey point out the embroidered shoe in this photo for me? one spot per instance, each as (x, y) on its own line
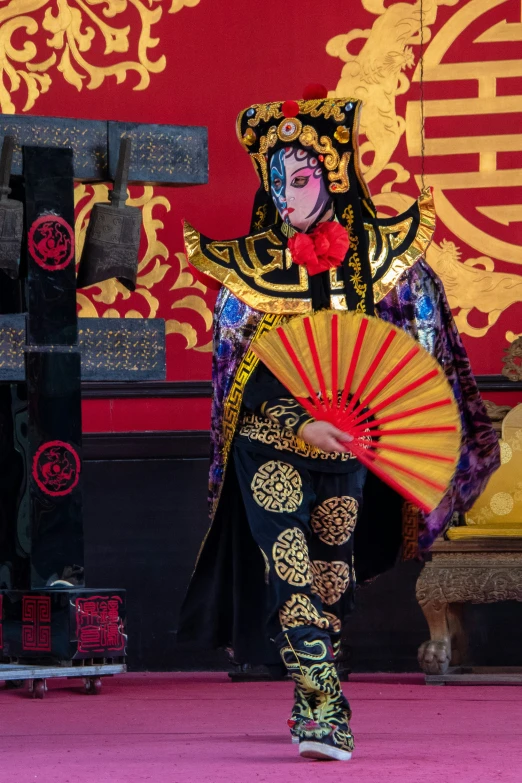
(325, 741)
(293, 725)
(302, 711)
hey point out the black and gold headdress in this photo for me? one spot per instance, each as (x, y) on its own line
(258, 268)
(328, 126)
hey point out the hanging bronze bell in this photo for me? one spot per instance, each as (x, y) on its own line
(112, 239)
(11, 215)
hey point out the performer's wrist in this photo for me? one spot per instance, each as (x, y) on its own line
(302, 425)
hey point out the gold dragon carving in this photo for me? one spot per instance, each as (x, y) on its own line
(377, 75)
(73, 30)
(110, 299)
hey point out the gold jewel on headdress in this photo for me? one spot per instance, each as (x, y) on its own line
(290, 127)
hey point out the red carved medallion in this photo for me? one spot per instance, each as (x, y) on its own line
(36, 623)
(51, 242)
(56, 468)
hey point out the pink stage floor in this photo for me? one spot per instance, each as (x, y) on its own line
(200, 728)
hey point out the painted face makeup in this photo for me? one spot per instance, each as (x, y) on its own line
(298, 188)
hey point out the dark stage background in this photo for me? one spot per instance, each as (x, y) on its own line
(145, 516)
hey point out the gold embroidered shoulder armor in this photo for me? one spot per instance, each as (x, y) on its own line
(259, 270)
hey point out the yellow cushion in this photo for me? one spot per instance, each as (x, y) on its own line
(500, 505)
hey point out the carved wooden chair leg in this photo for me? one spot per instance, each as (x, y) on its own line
(434, 655)
(458, 635)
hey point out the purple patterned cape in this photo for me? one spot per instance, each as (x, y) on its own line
(224, 604)
(418, 305)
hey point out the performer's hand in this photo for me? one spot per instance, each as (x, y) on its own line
(325, 436)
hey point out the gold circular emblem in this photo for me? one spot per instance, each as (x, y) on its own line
(289, 129)
(501, 504)
(506, 452)
(290, 556)
(482, 206)
(277, 487)
(334, 519)
(330, 580)
(299, 610)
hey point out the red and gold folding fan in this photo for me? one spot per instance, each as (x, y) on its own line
(376, 383)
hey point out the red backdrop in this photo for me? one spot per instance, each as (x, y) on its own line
(211, 59)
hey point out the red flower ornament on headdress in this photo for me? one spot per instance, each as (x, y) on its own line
(323, 248)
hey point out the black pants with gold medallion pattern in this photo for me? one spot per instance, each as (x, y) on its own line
(303, 522)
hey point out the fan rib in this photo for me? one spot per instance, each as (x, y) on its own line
(403, 392)
(404, 430)
(413, 452)
(353, 362)
(371, 369)
(402, 414)
(335, 357)
(410, 436)
(386, 380)
(399, 487)
(299, 367)
(313, 410)
(409, 472)
(315, 359)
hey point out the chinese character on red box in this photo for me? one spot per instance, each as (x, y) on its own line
(99, 626)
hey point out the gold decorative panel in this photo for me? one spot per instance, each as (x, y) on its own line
(481, 205)
(84, 40)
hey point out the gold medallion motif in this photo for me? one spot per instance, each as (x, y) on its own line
(330, 580)
(334, 622)
(299, 610)
(289, 130)
(290, 556)
(277, 487)
(502, 503)
(334, 519)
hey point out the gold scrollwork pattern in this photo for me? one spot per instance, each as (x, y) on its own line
(264, 112)
(394, 235)
(40, 37)
(277, 487)
(258, 429)
(299, 610)
(260, 217)
(286, 412)
(290, 556)
(337, 167)
(334, 519)
(375, 64)
(157, 272)
(334, 622)
(411, 520)
(354, 260)
(222, 260)
(330, 580)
